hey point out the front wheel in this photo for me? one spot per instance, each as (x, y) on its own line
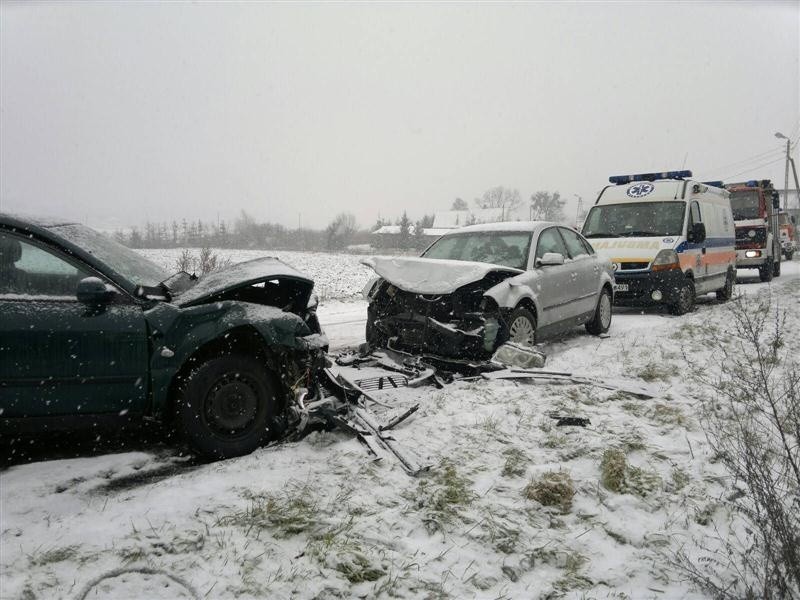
(522, 327)
(726, 293)
(602, 314)
(227, 406)
(684, 303)
(766, 272)
(776, 268)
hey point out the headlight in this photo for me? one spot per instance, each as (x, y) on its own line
(666, 260)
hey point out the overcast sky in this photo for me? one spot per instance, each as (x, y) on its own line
(114, 113)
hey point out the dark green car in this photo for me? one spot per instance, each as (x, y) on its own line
(90, 331)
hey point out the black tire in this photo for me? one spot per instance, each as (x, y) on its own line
(725, 293)
(602, 314)
(522, 327)
(776, 268)
(227, 406)
(684, 302)
(789, 255)
(766, 272)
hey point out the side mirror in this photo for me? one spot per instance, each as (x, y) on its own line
(776, 202)
(698, 233)
(550, 259)
(794, 220)
(92, 290)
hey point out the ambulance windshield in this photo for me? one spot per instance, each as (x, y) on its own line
(745, 205)
(635, 219)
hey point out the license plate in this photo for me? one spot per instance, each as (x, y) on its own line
(620, 287)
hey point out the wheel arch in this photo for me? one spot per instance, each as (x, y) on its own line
(243, 339)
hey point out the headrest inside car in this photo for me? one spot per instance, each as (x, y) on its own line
(10, 250)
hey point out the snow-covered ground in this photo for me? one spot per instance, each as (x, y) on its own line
(317, 518)
(336, 276)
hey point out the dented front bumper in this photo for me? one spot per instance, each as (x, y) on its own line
(474, 335)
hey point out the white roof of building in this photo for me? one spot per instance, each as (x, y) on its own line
(393, 229)
(504, 226)
(449, 219)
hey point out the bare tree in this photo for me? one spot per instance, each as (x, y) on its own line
(340, 230)
(547, 207)
(459, 204)
(500, 197)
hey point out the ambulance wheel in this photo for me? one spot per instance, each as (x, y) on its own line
(766, 271)
(602, 314)
(684, 302)
(725, 293)
(776, 268)
(522, 327)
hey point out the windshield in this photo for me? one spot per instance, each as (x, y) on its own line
(132, 266)
(745, 205)
(640, 219)
(509, 249)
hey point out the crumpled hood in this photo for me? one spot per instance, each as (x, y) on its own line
(239, 275)
(432, 276)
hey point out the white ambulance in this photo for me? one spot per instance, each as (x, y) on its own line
(669, 239)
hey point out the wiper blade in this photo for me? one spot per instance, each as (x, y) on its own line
(641, 234)
(601, 235)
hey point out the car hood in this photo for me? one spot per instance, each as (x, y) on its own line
(241, 275)
(432, 276)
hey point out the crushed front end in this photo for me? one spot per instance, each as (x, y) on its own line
(461, 324)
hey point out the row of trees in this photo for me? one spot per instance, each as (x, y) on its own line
(542, 206)
(342, 231)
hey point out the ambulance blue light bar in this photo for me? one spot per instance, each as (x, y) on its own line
(623, 179)
(717, 184)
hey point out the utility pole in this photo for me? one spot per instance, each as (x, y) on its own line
(780, 136)
(578, 211)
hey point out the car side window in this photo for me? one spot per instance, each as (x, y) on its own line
(550, 241)
(574, 243)
(30, 270)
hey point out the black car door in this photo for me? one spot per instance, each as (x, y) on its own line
(59, 356)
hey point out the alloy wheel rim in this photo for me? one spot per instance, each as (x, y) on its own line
(605, 311)
(522, 331)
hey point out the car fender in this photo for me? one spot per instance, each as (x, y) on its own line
(510, 292)
(178, 333)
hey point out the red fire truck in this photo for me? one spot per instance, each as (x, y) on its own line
(755, 215)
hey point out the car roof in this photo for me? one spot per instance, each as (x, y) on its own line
(513, 226)
(25, 220)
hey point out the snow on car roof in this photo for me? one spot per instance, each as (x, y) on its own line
(504, 226)
(36, 220)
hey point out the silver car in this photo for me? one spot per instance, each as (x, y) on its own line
(482, 285)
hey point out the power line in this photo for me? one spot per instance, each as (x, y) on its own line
(766, 164)
(745, 161)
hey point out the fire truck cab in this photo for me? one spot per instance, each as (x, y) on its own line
(755, 214)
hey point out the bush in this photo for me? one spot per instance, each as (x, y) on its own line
(207, 261)
(753, 426)
(554, 488)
